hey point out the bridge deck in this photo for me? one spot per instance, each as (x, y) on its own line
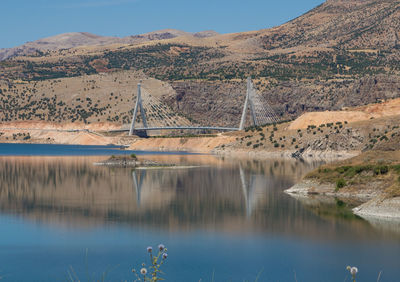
(182, 128)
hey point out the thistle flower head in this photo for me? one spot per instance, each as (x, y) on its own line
(353, 270)
(149, 249)
(161, 247)
(143, 271)
(165, 255)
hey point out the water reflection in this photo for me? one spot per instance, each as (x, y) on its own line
(222, 195)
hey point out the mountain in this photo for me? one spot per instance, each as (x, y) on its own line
(77, 39)
(350, 24)
(342, 53)
(61, 41)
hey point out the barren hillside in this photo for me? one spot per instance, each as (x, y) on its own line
(106, 97)
(340, 54)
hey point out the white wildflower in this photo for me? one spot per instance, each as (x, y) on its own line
(353, 270)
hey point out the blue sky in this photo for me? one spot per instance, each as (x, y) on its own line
(28, 20)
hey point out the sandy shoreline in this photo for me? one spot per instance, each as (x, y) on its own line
(202, 145)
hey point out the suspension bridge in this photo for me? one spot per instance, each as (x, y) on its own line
(150, 113)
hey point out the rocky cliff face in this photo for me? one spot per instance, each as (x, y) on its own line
(221, 103)
(214, 103)
(292, 99)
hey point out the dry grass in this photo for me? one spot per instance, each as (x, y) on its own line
(377, 169)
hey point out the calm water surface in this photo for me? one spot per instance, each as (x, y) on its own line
(227, 217)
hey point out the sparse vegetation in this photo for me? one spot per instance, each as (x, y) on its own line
(340, 183)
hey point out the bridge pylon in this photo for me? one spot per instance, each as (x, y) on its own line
(246, 105)
(260, 112)
(138, 107)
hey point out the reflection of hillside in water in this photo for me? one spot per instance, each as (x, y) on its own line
(240, 196)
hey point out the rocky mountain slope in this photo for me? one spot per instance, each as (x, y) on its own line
(342, 24)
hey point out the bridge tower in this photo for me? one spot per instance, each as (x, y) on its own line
(260, 111)
(246, 105)
(138, 107)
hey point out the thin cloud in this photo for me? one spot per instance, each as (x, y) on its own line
(101, 3)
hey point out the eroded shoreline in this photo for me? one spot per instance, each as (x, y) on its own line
(374, 204)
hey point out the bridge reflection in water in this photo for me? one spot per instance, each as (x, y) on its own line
(248, 188)
(232, 196)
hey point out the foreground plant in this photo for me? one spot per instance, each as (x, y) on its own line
(353, 271)
(153, 272)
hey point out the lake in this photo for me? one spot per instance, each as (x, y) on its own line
(62, 217)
